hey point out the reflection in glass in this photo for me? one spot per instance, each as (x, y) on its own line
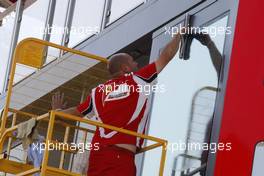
(86, 20)
(186, 107)
(122, 7)
(6, 29)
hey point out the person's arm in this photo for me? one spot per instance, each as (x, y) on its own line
(168, 53)
(72, 111)
(215, 56)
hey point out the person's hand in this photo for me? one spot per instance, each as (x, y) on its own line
(204, 39)
(58, 101)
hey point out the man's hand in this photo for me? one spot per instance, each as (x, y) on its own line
(58, 101)
(204, 39)
(168, 53)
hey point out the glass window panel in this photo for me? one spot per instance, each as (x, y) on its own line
(5, 40)
(32, 25)
(57, 27)
(122, 7)
(86, 20)
(258, 168)
(185, 108)
(33, 20)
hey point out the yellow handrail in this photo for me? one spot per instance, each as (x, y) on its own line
(7, 132)
(53, 114)
(159, 142)
(64, 124)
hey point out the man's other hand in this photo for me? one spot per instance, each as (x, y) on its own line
(58, 101)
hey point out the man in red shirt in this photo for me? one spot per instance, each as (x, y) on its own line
(122, 102)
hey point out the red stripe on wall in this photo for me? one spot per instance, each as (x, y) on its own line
(243, 115)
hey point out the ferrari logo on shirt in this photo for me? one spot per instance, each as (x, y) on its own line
(116, 92)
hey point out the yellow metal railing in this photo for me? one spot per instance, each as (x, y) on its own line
(31, 52)
(45, 169)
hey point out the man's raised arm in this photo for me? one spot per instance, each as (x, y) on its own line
(168, 53)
